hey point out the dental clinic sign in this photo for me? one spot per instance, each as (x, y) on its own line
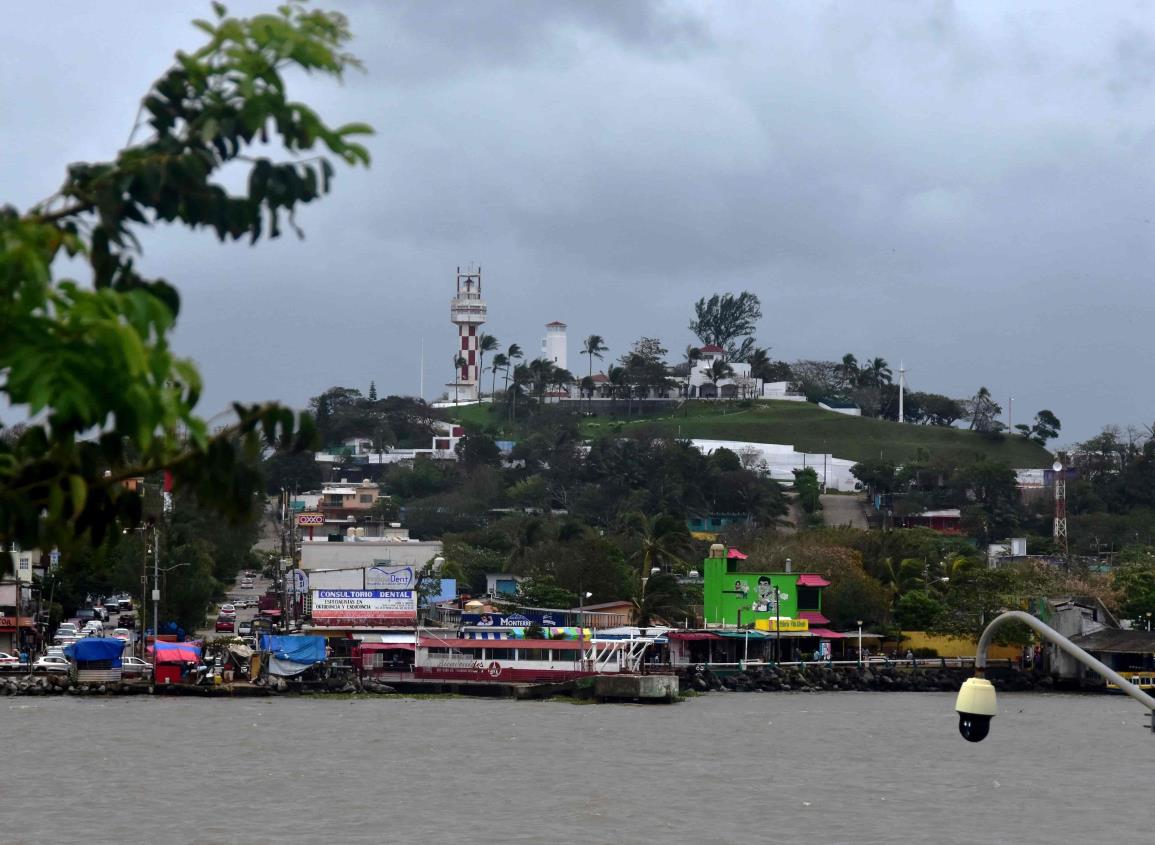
(364, 608)
(381, 576)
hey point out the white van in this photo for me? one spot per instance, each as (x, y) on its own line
(94, 628)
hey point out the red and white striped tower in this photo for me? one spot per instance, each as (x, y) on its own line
(467, 312)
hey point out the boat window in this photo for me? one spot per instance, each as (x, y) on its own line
(568, 655)
(499, 653)
(533, 654)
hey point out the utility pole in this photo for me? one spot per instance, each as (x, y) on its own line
(155, 584)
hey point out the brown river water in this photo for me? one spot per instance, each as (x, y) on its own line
(858, 768)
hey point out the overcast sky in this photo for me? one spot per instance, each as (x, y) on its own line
(966, 187)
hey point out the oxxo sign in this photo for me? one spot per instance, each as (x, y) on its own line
(310, 518)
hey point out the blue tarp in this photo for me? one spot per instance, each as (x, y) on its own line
(96, 648)
(296, 649)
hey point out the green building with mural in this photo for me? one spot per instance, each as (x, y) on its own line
(733, 596)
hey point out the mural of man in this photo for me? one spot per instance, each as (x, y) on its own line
(765, 601)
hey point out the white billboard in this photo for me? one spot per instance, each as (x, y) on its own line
(367, 608)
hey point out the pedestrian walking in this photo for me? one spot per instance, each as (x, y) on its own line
(910, 656)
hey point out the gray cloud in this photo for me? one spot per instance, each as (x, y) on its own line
(962, 187)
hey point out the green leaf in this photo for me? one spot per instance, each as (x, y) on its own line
(78, 486)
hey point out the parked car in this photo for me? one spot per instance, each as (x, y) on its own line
(226, 624)
(125, 604)
(51, 664)
(112, 606)
(122, 634)
(55, 651)
(7, 659)
(85, 614)
(135, 666)
(127, 620)
(245, 629)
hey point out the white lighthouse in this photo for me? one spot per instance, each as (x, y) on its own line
(467, 312)
(553, 345)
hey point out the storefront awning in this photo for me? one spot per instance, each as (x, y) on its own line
(811, 580)
(693, 635)
(827, 634)
(813, 617)
(398, 637)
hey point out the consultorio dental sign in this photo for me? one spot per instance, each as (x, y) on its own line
(364, 607)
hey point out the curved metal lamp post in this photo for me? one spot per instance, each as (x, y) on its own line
(976, 701)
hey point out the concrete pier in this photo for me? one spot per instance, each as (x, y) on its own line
(636, 688)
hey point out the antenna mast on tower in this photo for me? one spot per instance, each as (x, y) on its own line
(1060, 508)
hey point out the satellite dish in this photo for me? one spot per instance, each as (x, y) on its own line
(1057, 466)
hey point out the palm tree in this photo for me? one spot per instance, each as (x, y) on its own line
(514, 353)
(561, 378)
(693, 355)
(458, 364)
(617, 379)
(485, 343)
(593, 347)
(541, 371)
(718, 371)
(521, 377)
(849, 370)
(759, 363)
(878, 372)
(662, 599)
(499, 362)
(663, 541)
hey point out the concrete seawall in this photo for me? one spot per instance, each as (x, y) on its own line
(892, 678)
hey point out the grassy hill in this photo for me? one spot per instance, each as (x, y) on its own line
(808, 428)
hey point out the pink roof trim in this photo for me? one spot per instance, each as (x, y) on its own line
(710, 347)
(734, 554)
(812, 581)
(555, 323)
(813, 617)
(827, 634)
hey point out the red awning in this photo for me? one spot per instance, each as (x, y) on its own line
(813, 617)
(812, 581)
(693, 635)
(826, 634)
(734, 554)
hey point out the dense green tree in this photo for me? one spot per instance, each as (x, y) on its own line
(918, 611)
(291, 471)
(544, 591)
(808, 489)
(723, 319)
(91, 366)
(474, 450)
(1134, 579)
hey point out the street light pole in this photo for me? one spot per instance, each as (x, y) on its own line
(1049, 633)
(777, 628)
(859, 643)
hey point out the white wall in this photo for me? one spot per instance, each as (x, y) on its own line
(319, 554)
(781, 461)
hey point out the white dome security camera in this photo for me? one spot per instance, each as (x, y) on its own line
(976, 707)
